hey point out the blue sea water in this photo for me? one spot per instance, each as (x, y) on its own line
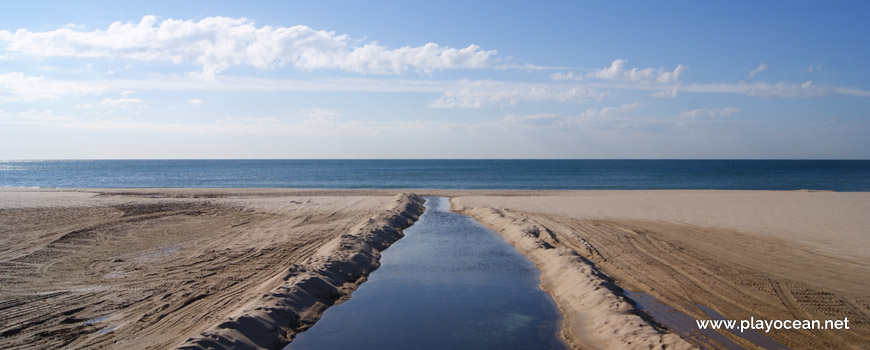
(836, 175)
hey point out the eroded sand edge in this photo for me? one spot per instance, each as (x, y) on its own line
(308, 289)
(595, 316)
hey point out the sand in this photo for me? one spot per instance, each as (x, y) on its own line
(94, 270)
(248, 268)
(299, 295)
(769, 255)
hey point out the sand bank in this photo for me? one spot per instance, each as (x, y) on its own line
(304, 291)
(92, 269)
(769, 255)
(595, 316)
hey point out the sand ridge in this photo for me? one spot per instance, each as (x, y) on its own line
(595, 316)
(96, 270)
(308, 289)
(741, 253)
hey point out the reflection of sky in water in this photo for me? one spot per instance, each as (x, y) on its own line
(747, 334)
(686, 326)
(98, 319)
(449, 284)
(681, 323)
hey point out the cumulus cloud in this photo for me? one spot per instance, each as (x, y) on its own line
(761, 67)
(477, 94)
(618, 72)
(218, 43)
(708, 113)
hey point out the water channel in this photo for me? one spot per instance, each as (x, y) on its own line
(450, 283)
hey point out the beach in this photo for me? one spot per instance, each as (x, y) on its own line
(303, 175)
(91, 270)
(158, 268)
(762, 254)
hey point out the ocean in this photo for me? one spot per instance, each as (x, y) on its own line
(835, 175)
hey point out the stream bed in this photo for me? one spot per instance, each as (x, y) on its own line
(450, 283)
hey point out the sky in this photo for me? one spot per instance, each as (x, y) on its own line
(401, 79)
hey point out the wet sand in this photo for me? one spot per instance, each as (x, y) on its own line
(152, 268)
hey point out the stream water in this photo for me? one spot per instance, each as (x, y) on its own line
(450, 283)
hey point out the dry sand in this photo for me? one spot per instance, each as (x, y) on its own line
(91, 270)
(769, 255)
(297, 297)
(158, 268)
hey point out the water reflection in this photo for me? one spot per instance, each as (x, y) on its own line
(451, 283)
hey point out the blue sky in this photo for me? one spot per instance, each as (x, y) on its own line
(397, 79)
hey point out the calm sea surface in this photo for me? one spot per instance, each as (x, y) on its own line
(451, 283)
(837, 175)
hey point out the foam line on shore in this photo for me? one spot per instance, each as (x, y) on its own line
(304, 291)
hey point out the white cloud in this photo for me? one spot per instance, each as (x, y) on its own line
(566, 76)
(324, 115)
(606, 116)
(123, 102)
(781, 89)
(606, 112)
(536, 120)
(74, 26)
(320, 122)
(40, 116)
(218, 43)
(455, 93)
(673, 92)
(18, 87)
(194, 101)
(530, 67)
(815, 68)
(477, 94)
(761, 67)
(806, 89)
(618, 72)
(709, 113)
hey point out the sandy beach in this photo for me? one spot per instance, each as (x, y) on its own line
(767, 255)
(91, 270)
(162, 268)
